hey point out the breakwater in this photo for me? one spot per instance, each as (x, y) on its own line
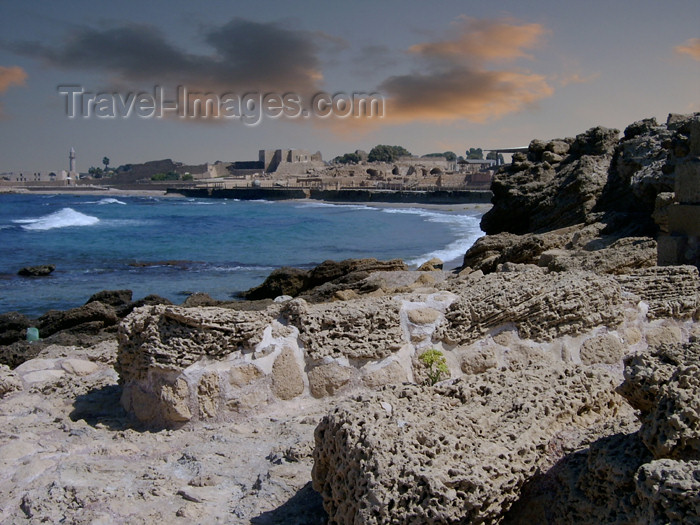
(341, 195)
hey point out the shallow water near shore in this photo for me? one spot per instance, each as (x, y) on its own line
(176, 246)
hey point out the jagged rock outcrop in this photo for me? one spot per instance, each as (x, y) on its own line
(541, 305)
(455, 453)
(560, 183)
(90, 318)
(578, 247)
(533, 194)
(13, 327)
(320, 283)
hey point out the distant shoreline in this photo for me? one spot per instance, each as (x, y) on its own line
(343, 196)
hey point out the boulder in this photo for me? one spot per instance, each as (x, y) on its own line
(322, 282)
(37, 271)
(174, 337)
(647, 476)
(432, 265)
(454, 453)
(90, 319)
(664, 385)
(283, 281)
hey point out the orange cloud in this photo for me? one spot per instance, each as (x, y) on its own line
(474, 95)
(690, 47)
(456, 81)
(478, 41)
(11, 76)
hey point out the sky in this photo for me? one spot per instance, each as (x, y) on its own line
(219, 80)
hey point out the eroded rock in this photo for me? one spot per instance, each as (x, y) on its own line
(456, 453)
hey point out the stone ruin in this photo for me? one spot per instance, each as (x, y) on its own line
(679, 214)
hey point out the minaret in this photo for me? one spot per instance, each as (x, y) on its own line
(71, 160)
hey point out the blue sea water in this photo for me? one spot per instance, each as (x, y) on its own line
(222, 246)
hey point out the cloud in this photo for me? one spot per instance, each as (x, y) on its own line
(456, 82)
(690, 47)
(245, 56)
(11, 76)
(479, 41)
(475, 95)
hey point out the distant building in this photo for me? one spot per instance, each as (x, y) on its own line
(474, 165)
(289, 161)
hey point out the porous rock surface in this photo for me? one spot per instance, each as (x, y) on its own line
(649, 475)
(363, 329)
(664, 385)
(542, 306)
(455, 453)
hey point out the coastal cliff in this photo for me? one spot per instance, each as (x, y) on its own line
(568, 394)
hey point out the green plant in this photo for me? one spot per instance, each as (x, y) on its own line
(436, 363)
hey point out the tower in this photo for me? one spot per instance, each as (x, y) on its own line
(71, 161)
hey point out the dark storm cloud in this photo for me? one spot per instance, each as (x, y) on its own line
(245, 55)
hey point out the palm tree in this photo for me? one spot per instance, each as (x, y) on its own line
(105, 161)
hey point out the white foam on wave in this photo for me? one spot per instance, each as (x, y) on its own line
(465, 226)
(110, 200)
(63, 218)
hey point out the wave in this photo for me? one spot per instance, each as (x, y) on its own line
(63, 218)
(241, 268)
(110, 200)
(466, 228)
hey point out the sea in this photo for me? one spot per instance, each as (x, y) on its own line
(173, 247)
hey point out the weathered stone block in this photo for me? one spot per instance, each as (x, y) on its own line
(670, 249)
(684, 219)
(695, 136)
(287, 379)
(391, 373)
(602, 349)
(326, 380)
(687, 185)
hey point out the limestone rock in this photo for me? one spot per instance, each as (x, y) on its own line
(602, 349)
(284, 281)
(332, 276)
(89, 318)
(478, 360)
(327, 379)
(455, 453)
(176, 337)
(389, 374)
(432, 265)
(532, 196)
(13, 326)
(287, 379)
(541, 306)
(366, 328)
(668, 491)
(9, 381)
(670, 291)
(664, 385)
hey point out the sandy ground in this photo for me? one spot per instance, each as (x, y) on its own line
(69, 454)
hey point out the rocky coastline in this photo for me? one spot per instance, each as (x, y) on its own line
(570, 391)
